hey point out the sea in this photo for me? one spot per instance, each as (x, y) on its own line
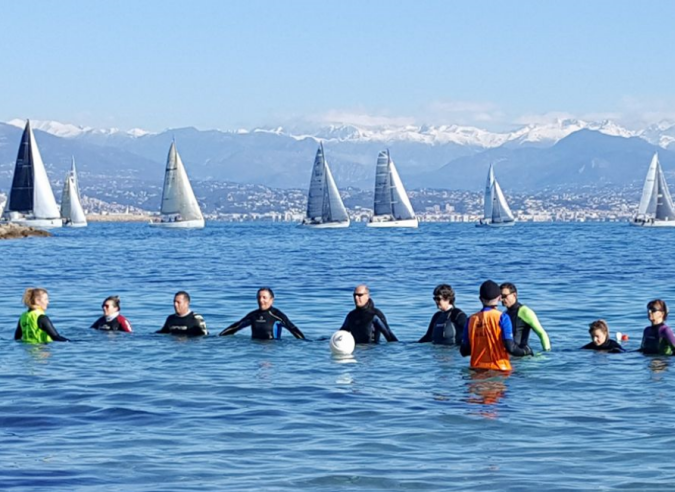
(149, 412)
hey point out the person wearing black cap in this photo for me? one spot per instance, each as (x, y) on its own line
(488, 334)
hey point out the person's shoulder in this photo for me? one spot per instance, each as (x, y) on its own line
(98, 322)
(197, 316)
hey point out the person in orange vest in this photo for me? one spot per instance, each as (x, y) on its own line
(488, 334)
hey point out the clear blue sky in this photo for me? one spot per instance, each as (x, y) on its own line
(227, 65)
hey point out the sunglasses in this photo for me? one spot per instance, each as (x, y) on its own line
(654, 310)
(438, 298)
(359, 295)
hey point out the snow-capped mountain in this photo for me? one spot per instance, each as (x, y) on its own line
(68, 130)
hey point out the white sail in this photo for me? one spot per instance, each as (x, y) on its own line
(71, 205)
(324, 205)
(649, 192)
(44, 203)
(496, 211)
(500, 209)
(488, 198)
(400, 203)
(656, 205)
(178, 198)
(665, 211)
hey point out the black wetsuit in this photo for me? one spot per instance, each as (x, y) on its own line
(45, 324)
(446, 327)
(366, 324)
(191, 325)
(611, 346)
(265, 325)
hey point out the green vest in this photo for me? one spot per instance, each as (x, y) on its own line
(30, 331)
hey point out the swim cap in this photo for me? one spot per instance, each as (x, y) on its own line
(342, 343)
(489, 290)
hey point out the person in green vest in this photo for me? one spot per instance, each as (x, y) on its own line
(34, 326)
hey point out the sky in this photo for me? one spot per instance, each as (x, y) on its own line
(243, 64)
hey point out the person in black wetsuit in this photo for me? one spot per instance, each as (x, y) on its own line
(185, 322)
(599, 332)
(34, 326)
(447, 324)
(266, 322)
(366, 323)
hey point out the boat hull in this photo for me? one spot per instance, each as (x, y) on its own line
(180, 224)
(39, 223)
(75, 224)
(495, 224)
(656, 223)
(409, 223)
(327, 225)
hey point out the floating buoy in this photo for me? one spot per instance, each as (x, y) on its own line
(342, 343)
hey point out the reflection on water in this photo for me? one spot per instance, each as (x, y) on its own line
(487, 388)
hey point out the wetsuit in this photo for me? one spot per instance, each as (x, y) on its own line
(658, 339)
(366, 324)
(446, 327)
(611, 346)
(491, 331)
(265, 325)
(523, 320)
(35, 327)
(191, 325)
(117, 323)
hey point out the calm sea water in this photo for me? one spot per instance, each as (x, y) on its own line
(146, 412)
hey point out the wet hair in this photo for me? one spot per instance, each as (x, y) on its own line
(265, 289)
(599, 324)
(183, 294)
(114, 299)
(511, 287)
(31, 295)
(446, 292)
(660, 305)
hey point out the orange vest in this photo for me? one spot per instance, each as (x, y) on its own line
(487, 347)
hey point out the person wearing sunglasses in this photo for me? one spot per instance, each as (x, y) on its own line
(112, 320)
(488, 334)
(266, 322)
(447, 324)
(523, 319)
(366, 323)
(657, 338)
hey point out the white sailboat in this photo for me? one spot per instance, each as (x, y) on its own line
(392, 207)
(71, 204)
(496, 212)
(180, 209)
(656, 205)
(31, 200)
(325, 209)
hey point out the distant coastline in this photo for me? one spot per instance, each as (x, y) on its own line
(118, 218)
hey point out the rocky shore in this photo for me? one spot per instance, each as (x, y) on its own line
(13, 231)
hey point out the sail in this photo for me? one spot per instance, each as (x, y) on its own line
(71, 205)
(382, 204)
(664, 202)
(333, 208)
(400, 203)
(500, 209)
(649, 191)
(488, 198)
(317, 186)
(177, 196)
(21, 194)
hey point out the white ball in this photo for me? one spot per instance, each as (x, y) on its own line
(342, 343)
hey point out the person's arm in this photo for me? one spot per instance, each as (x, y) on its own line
(428, 336)
(465, 347)
(45, 324)
(18, 334)
(460, 323)
(199, 328)
(235, 327)
(380, 323)
(124, 323)
(288, 324)
(529, 317)
(667, 333)
(507, 338)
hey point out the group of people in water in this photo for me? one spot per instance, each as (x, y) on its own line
(488, 336)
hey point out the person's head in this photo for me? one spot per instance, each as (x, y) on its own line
(489, 293)
(265, 298)
(599, 331)
(181, 303)
(444, 297)
(361, 295)
(111, 305)
(509, 294)
(657, 311)
(35, 298)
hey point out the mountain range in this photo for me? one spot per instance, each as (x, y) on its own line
(570, 152)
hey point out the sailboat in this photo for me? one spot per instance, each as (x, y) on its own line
(324, 206)
(31, 200)
(180, 209)
(496, 212)
(71, 204)
(656, 205)
(392, 207)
